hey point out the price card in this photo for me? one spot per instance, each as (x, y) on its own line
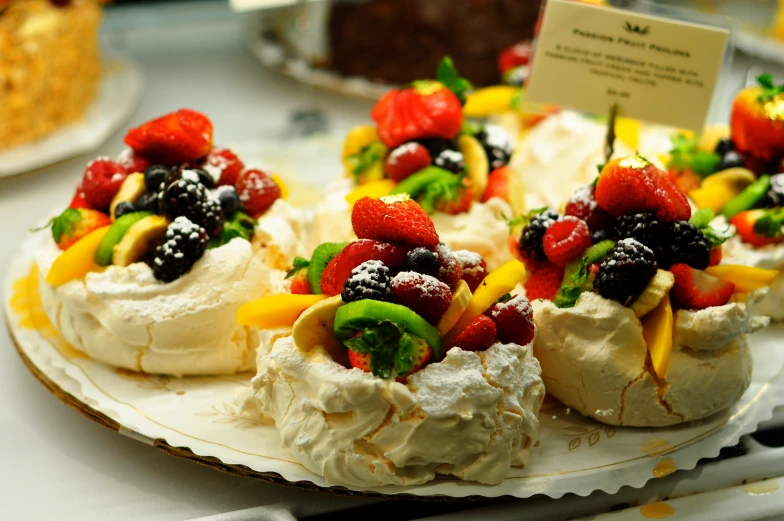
(656, 69)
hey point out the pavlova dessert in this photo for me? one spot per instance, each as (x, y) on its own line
(146, 268)
(422, 145)
(410, 364)
(637, 325)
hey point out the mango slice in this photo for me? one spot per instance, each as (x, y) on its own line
(718, 189)
(497, 284)
(373, 189)
(284, 189)
(745, 278)
(657, 329)
(489, 100)
(275, 311)
(628, 131)
(76, 261)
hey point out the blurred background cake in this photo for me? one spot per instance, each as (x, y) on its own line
(50, 65)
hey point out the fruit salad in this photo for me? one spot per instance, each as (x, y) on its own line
(638, 324)
(399, 341)
(422, 145)
(147, 266)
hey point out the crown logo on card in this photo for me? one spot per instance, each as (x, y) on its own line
(636, 29)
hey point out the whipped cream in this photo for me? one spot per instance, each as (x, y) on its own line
(769, 257)
(472, 415)
(594, 359)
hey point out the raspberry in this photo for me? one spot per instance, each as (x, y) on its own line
(257, 191)
(474, 267)
(497, 144)
(185, 243)
(514, 320)
(625, 271)
(449, 269)
(478, 336)
(566, 239)
(583, 205)
(405, 160)
(132, 162)
(101, 182)
(684, 244)
(531, 245)
(427, 296)
(224, 165)
(339, 269)
(642, 227)
(544, 282)
(422, 260)
(369, 280)
(396, 219)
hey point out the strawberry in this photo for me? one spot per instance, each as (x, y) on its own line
(756, 122)
(478, 336)
(427, 296)
(514, 320)
(474, 268)
(583, 205)
(362, 361)
(498, 184)
(460, 204)
(427, 109)
(715, 256)
(300, 284)
(396, 219)
(405, 160)
(449, 269)
(73, 224)
(686, 180)
(359, 360)
(695, 289)
(132, 162)
(226, 163)
(515, 56)
(339, 268)
(179, 137)
(79, 200)
(673, 196)
(101, 182)
(257, 191)
(566, 239)
(544, 282)
(744, 222)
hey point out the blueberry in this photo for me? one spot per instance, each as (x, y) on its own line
(154, 176)
(451, 160)
(731, 159)
(148, 202)
(422, 260)
(229, 200)
(600, 235)
(723, 146)
(204, 177)
(124, 208)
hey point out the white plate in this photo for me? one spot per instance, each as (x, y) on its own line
(116, 101)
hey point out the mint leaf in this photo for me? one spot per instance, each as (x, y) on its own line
(63, 224)
(241, 225)
(686, 155)
(447, 75)
(381, 342)
(577, 272)
(298, 264)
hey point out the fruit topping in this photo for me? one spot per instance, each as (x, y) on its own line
(422, 260)
(449, 269)
(756, 120)
(745, 278)
(476, 163)
(425, 295)
(532, 239)
(473, 266)
(74, 224)
(759, 227)
(132, 162)
(718, 189)
(101, 182)
(514, 320)
(130, 191)
(276, 310)
(124, 208)
(369, 280)
(455, 204)
(657, 329)
(140, 240)
(103, 256)
(435, 186)
(730, 159)
(322, 257)
(334, 275)
(642, 227)
(461, 297)
(224, 165)
(515, 56)
(149, 202)
(625, 271)
(229, 200)
(544, 281)
(478, 335)
(372, 189)
(656, 290)
(396, 219)
(257, 191)
(405, 160)
(695, 289)
(683, 243)
(451, 161)
(188, 197)
(185, 243)
(77, 260)
(497, 145)
(179, 137)
(79, 200)
(299, 277)
(364, 155)
(565, 239)
(315, 326)
(577, 274)
(583, 205)
(748, 198)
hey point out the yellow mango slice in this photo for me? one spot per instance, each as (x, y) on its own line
(76, 261)
(496, 285)
(718, 189)
(373, 189)
(489, 100)
(284, 190)
(657, 331)
(711, 135)
(275, 311)
(628, 131)
(745, 278)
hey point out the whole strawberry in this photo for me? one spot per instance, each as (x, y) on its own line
(179, 137)
(514, 320)
(101, 182)
(425, 295)
(396, 219)
(73, 224)
(478, 336)
(757, 120)
(257, 191)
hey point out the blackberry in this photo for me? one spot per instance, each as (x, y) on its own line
(437, 145)
(184, 244)
(625, 271)
(229, 200)
(642, 227)
(369, 280)
(123, 208)
(422, 260)
(601, 235)
(683, 244)
(775, 195)
(451, 160)
(531, 239)
(154, 176)
(204, 177)
(731, 159)
(148, 202)
(724, 145)
(497, 144)
(207, 214)
(182, 193)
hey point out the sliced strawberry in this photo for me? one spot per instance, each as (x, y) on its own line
(179, 137)
(226, 164)
(672, 195)
(744, 223)
(514, 320)
(359, 360)
(427, 296)
(715, 256)
(583, 205)
(498, 184)
(300, 284)
(478, 336)
(449, 269)
(544, 282)
(421, 356)
(396, 219)
(405, 160)
(339, 269)
(460, 204)
(473, 266)
(73, 224)
(101, 182)
(695, 289)
(566, 239)
(257, 191)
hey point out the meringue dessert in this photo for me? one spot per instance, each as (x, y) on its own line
(637, 324)
(147, 267)
(400, 343)
(457, 170)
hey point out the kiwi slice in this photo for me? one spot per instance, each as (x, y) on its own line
(362, 314)
(416, 183)
(103, 255)
(323, 253)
